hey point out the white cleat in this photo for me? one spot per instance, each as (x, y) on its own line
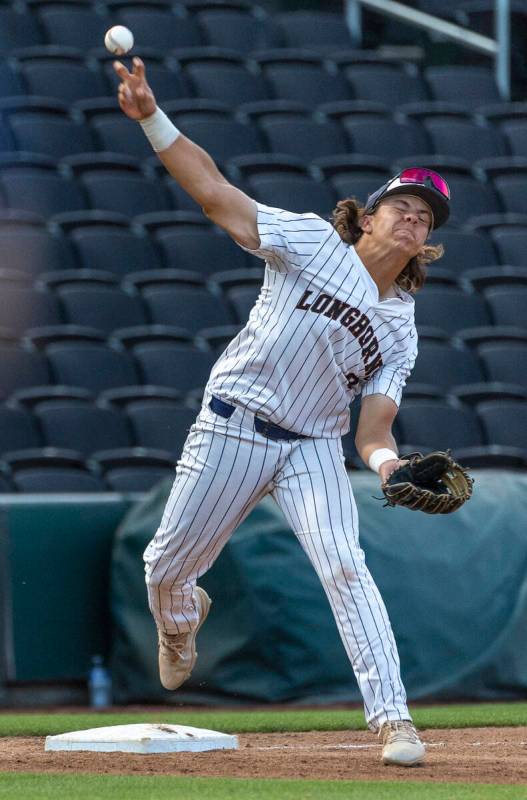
(401, 744)
(177, 652)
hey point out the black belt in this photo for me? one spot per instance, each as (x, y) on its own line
(260, 425)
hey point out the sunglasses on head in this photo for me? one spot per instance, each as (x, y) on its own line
(427, 177)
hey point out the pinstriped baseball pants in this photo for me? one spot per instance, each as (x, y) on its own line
(225, 469)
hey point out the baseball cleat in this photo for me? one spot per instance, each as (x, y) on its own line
(400, 743)
(177, 652)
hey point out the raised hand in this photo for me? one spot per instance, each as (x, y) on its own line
(134, 94)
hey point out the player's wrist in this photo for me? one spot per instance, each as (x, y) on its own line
(380, 457)
(159, 130)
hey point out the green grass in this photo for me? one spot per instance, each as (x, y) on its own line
(26, 786)
(246, 721)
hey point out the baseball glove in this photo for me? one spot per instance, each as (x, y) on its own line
(434, 483)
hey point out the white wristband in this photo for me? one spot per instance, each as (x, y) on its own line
(379, 456)
(160, 132)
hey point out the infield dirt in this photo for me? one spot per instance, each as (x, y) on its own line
(477, 755)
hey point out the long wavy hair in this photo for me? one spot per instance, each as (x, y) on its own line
(346, 218)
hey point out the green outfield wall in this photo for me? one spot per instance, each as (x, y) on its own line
(72, 585)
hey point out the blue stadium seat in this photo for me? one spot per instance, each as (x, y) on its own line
(314, 30)
(62, 74)
(104, 308)
(74, 26)
(160, 28)
(475, 85)
(305, 138)
(198, 248)
(18, 429)
(176, 366)
(512, 191)
(82, 426)
(11, 84)
(55, 135)
(17, 29)
(188, 308)
(91, 366)
(32, 249)
(470, 198)
(237, 29)
(463, 249)
(293, 192)
(124, 191)
(515, 132)
(221, 135)
(438, 424)
(302, 77)
(134, 469)
(242, 299)
(465, 139)
(23, 308)
(115, 133)
(506, 363)
(387, 138)
(117, 249)
(446, 366)
(511, 246)
(51, 470)
(504, 422)
(450, 309)
(391, 84)
(21, 368)
(222, 76)
(161, 424)
(508, 304)
(41, 190)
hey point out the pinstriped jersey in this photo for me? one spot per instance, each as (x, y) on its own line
(318, 334)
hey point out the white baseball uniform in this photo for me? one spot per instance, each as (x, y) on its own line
(317, 336)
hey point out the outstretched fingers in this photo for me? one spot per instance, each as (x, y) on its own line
(121, 70)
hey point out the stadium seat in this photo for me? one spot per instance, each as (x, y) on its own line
(160, 28)
(91, 366)
(199, 248)
(386, 138)
(23, 308)
(391, 84)
(476, 85)
(41, 190)
(463, 249)
(176, 366)
(115, 133)
(222, 76)
(465, 139)
(470, 198)
(18, 429)
(50, 470)
(105, 308)
(305, 138)
(32, 249)
(161, 424)
(504, 422)
(55, 72)
(511, 246)
(446, 366)
(124, 191)
(167, 83)
(221, 135)
(82, 426)
(54, 135)
(508, 305)
(21, 368)
(293, 192)
(74, 26)
(438, 424)
(450, 309)
(238, 29)
(515, 132)
(11, 84)
(302, 77)
(117, 249)
(512, 191)
(18, 29)
(188, 308)
(506, 363)
(242, 299)
(135, 469)
(314, 30)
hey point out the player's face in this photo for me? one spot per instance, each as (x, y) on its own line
(404, 220)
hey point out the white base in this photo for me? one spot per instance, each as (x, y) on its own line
(143, 738)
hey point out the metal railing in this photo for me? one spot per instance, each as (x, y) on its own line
(497, 48)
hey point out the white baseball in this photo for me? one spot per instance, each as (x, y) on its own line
(119, 40)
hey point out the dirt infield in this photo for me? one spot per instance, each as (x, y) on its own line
(472, 755)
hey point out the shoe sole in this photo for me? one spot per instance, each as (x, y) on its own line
(205, 604)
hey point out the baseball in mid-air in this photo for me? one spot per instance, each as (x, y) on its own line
(119, 40)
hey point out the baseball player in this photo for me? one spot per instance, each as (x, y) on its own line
(334, 319)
